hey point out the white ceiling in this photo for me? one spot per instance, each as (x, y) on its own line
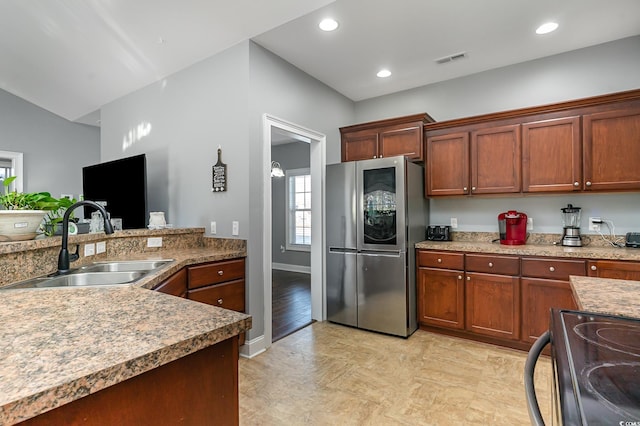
(73, 56)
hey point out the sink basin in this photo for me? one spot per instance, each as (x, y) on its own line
(123, 266)
(81, 279)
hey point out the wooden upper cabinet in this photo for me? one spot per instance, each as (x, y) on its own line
(385, 138)
(447, 168)
(496, 160)
(612, 149)
(552, 155)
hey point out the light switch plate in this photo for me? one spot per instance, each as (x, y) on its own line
(89, 249)
(529, 224)
(101, 247)
(235, 228)
(213, 227)
(454, 222)
(154, 242)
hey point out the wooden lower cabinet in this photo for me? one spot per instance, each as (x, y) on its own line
(198, 389)
(175, 285)
(614, 269)
(441, 297)
(539, 296)
(493, 305)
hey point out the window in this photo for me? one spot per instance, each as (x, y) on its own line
(298, 226)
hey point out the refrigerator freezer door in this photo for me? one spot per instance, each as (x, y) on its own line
(342, 301)
(341, 205)
(382, 292)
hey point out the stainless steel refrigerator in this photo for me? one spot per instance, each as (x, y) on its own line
(376, 212)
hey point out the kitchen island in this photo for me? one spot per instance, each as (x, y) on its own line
(607, 296)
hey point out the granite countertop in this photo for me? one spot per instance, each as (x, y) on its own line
(60, 344)
(549, 250)
(607, 296)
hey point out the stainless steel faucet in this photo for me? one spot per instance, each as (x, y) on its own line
(64, 258)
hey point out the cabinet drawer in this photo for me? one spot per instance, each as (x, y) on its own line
(492, 264)
(442, 260)
(213, 273)
(555, 269)
(228, 295)
(175, 285)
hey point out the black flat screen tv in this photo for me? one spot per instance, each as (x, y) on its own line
(121, 186)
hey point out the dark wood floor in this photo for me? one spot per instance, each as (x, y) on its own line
(291, 302)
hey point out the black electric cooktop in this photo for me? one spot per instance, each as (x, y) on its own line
(597, 362)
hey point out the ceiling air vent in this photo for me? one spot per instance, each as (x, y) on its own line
(451, 58)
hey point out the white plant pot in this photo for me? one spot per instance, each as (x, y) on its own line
(19, 225)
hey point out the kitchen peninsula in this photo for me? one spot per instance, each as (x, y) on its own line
(71, 355)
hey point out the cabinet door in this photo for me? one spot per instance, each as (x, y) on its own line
(441, 297)
(538, 297)
(496, 160)
(552, 155)
(362, 145)
(447, 170)
(612, 150)
(175, 285)
(614, 269)
(403, 140)
(493, 305)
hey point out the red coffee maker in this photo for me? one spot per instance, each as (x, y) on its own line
(512, 226)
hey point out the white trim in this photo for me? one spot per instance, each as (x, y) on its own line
(317, 166)
(291, 268)
(17, 166)
(253, 347)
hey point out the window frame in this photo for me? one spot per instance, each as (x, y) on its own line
(290, 213)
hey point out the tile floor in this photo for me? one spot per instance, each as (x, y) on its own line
(327, 374)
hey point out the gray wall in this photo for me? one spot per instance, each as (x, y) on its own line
(606, 68)
(290, 156)
(220, 101)
(55, 149)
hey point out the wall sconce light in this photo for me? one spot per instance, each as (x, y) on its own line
(276, 170)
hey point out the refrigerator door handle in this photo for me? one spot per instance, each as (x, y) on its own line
(342, 250)
(385, 253)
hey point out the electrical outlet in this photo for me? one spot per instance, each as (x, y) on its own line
(101, 247)
(213, 227)
(529, 224)
(154, 242)
(594, 224)
(235, 225)
(89, 249)
(454, 222)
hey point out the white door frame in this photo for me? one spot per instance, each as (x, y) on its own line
(317, 167)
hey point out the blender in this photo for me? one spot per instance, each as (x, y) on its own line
(571, 223)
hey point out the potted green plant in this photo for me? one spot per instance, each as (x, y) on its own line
(23, 212)
(52, 224)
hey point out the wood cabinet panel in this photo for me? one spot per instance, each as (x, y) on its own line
(493, 305)
(360, 146)
(229, 295)
(552, 155)
(614, 269)
(447, 170)
(555, 269)
(442, 260)
(217, 272)
(612, 149)
(493, 264)
(496, 160)
(176, 284)
(406, 140)
(441, 298)
(539, 296)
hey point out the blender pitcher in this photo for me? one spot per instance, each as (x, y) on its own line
(571, 223)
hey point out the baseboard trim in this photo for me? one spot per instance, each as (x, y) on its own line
(291, 268)
(253, 347)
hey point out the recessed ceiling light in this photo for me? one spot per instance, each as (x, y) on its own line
(384, 73)
(328, 24)
(547, 28)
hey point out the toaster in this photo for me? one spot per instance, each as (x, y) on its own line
(439, 233)
(632, 240)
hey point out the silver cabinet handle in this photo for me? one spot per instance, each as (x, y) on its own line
(439, 260)
(220, 301)
(490, 264)
(220, 273)
(375, 156)
(588, 183)
(473, 188)
(468, 278)
(380, 156)
(594, 267)
(464, 189)
(459, 277)
(551, 268)
(576, 183)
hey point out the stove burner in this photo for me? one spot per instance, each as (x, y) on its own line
(618, 337)
(615, 386)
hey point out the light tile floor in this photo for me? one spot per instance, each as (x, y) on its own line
(328, 374)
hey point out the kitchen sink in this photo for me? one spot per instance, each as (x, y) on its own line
(96, 274)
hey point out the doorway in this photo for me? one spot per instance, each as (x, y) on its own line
(272, 129)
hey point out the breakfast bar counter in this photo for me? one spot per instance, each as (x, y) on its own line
(607, 296)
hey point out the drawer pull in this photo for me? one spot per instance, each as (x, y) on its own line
(551, 268)
(220, 273)
(220, 301)
(439, 260)
(576, 183)
(468, 278)
(594, 267)
(490, 264)
(588, 183)
(459, 277)
(464, 189)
